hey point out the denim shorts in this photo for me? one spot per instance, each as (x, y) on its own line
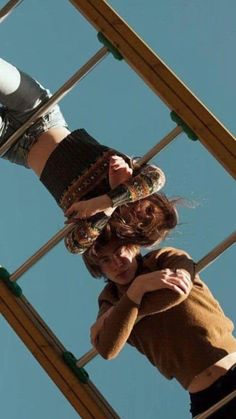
(10, 121)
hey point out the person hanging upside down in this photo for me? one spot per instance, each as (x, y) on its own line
(92, 183)
(158, 304)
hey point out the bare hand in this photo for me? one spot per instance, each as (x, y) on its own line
(177, 280)
(119, 171)
(88, 208)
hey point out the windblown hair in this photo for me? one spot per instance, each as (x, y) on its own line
(145, 222)
(91, 256)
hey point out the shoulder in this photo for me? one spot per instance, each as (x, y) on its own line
(165, 251)
(169, 257)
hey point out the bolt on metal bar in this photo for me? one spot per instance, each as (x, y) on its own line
(216, 406)
(41, 252)
(203, 263)
(159, 146)
(54, 99)
(8, 8)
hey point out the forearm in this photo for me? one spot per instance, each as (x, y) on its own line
(150, 180)
(160, 300)
(85, 233)
(116, 328)
(159, 290)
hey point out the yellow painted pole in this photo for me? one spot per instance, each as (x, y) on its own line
(213, 135)
(48, 351)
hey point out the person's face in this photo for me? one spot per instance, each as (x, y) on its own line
(118, 264)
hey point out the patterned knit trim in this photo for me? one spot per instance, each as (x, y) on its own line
(87, 181)
(139, 189)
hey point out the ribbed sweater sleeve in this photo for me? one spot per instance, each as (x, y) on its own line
(116, 327)
(149, 180)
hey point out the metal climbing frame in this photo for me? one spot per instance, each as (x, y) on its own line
(213, 135)
(26, 322)
(49, 352)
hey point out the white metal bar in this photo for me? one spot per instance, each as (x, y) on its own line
(159, 146)
(42, 251)
(79, 75)
(86, 358)
(8, 8)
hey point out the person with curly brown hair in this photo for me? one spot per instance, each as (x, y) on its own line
(92, 183)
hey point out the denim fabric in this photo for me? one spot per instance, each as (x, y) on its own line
(18, 153)
(204, 399)
(21, 96)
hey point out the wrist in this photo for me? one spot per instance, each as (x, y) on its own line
(136, 291)
(107, 205)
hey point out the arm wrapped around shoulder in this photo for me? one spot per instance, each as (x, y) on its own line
(110, 336)
(149, 180)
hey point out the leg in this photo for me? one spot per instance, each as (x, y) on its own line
(18, 91)
(20, 95)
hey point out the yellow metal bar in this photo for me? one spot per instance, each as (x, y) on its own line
(48, 351)
(213, 135)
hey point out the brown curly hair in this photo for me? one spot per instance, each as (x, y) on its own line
(143, 223)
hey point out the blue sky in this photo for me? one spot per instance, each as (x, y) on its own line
(51, 40)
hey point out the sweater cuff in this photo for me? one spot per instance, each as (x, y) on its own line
(130, 303)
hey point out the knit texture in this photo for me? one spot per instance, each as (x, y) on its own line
(181, 336)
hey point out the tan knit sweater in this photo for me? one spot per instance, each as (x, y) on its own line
(179, 335)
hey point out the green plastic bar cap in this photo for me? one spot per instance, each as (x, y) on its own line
(176, 118)
(13, 286)
(109, 46)
(71, 362)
